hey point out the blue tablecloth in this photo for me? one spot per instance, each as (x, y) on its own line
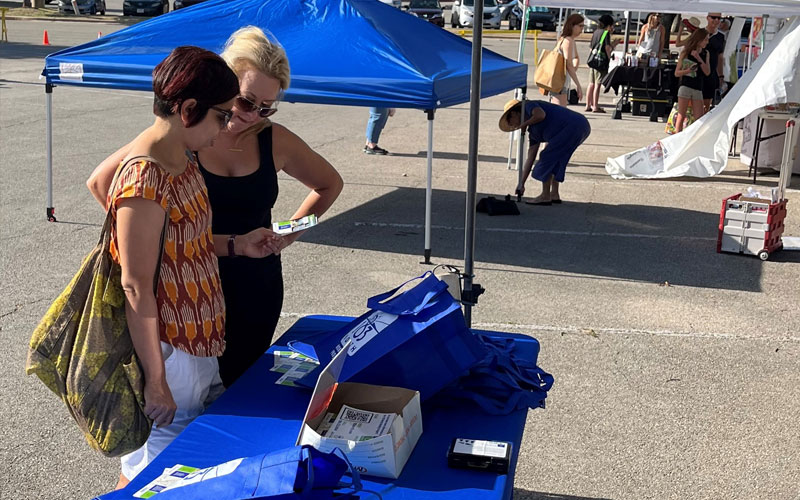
(256, 416)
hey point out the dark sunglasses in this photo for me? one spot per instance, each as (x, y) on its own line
(225, 114)
(716, 18)
(249, 106)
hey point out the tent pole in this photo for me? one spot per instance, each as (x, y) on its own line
(470, 294)
(627, 34)
(429, 188)
(560, 16)
(521, 143)
(48, 89)
(520, 94)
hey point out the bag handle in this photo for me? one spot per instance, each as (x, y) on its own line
(355, 477)
(408, 303)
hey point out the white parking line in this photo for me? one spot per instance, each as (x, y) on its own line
(540, 231)
(597, 331)
(630, 331)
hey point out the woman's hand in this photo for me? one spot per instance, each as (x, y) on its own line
(696, 54)
(580, 91)
(158, 403)
(258, 243)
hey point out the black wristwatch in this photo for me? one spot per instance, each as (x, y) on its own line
(231, 245)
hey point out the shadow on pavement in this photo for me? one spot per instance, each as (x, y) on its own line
(17, 50)
(520, 494)
(642, 243)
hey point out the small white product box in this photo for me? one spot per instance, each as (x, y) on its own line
(382, 456)
(294, 225)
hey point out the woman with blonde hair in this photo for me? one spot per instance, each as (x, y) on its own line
(566, 46)
(652, 37)
(240, 171)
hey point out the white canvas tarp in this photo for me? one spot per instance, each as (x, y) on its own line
(701, 150)
(775, 8)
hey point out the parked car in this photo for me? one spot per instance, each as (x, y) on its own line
(430, 10)
(394, 3)
(590, 19)
(539, 18)
(180, 4)
(506, 6)
(145, 7)
(462, 14)
(84, 6)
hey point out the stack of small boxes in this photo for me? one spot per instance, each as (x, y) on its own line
(752, 226)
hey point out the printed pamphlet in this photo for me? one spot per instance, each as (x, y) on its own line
(182, 475)
(294, 225)
(353, 424)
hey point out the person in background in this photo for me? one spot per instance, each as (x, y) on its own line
(562, 129)
(595, 76)
(651, 38)
(178, 330)
(375, 124)
(692, 67)
(716, 46)
(566, 46)
(241, 172)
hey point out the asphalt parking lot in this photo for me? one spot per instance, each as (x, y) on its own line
(675, 367)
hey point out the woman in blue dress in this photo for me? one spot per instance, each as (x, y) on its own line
(563, 131)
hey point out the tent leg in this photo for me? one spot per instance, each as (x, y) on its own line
(429, 189)
(511, 137)
(520, 93)
(471, 290)
(521, 147)
(48, 89)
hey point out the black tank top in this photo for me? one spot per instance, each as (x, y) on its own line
(241, 204)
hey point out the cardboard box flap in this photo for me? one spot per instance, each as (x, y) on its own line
(377, 398)
(323, 392)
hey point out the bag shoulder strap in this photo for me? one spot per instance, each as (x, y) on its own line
(602, 39)
(105, 236)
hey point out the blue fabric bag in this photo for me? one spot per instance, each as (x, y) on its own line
(417, 340)
(502, 382)
(298, 472)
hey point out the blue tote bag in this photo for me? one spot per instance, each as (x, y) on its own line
(417, 339)
(502, 382)
(299, 472)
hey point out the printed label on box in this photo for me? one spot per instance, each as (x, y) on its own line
(484, 448)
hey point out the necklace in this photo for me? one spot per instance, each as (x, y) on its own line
(235, 150)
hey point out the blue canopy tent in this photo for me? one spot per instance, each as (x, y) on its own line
(345, 52)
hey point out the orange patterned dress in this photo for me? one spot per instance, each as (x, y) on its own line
(191, 306)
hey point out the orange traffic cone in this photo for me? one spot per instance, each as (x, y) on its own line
(45, 39)
(99, 34)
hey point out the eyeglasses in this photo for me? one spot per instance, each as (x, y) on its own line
(225, 115)
(716, 18)
(249, 106)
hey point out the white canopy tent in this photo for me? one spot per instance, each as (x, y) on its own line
(775, 8)
(780, 8)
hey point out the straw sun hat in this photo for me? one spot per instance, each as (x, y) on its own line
(510, 106)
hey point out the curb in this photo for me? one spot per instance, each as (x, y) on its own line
(97, 19)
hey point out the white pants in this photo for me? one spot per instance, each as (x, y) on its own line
(194, 382)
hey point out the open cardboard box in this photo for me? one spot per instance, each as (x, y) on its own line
(383, 456)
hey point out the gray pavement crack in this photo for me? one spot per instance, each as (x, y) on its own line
(17, 307)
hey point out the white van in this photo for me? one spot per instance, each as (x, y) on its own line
(462, 14)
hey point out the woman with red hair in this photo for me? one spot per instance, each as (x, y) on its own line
(573, 27)
(177, 329)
